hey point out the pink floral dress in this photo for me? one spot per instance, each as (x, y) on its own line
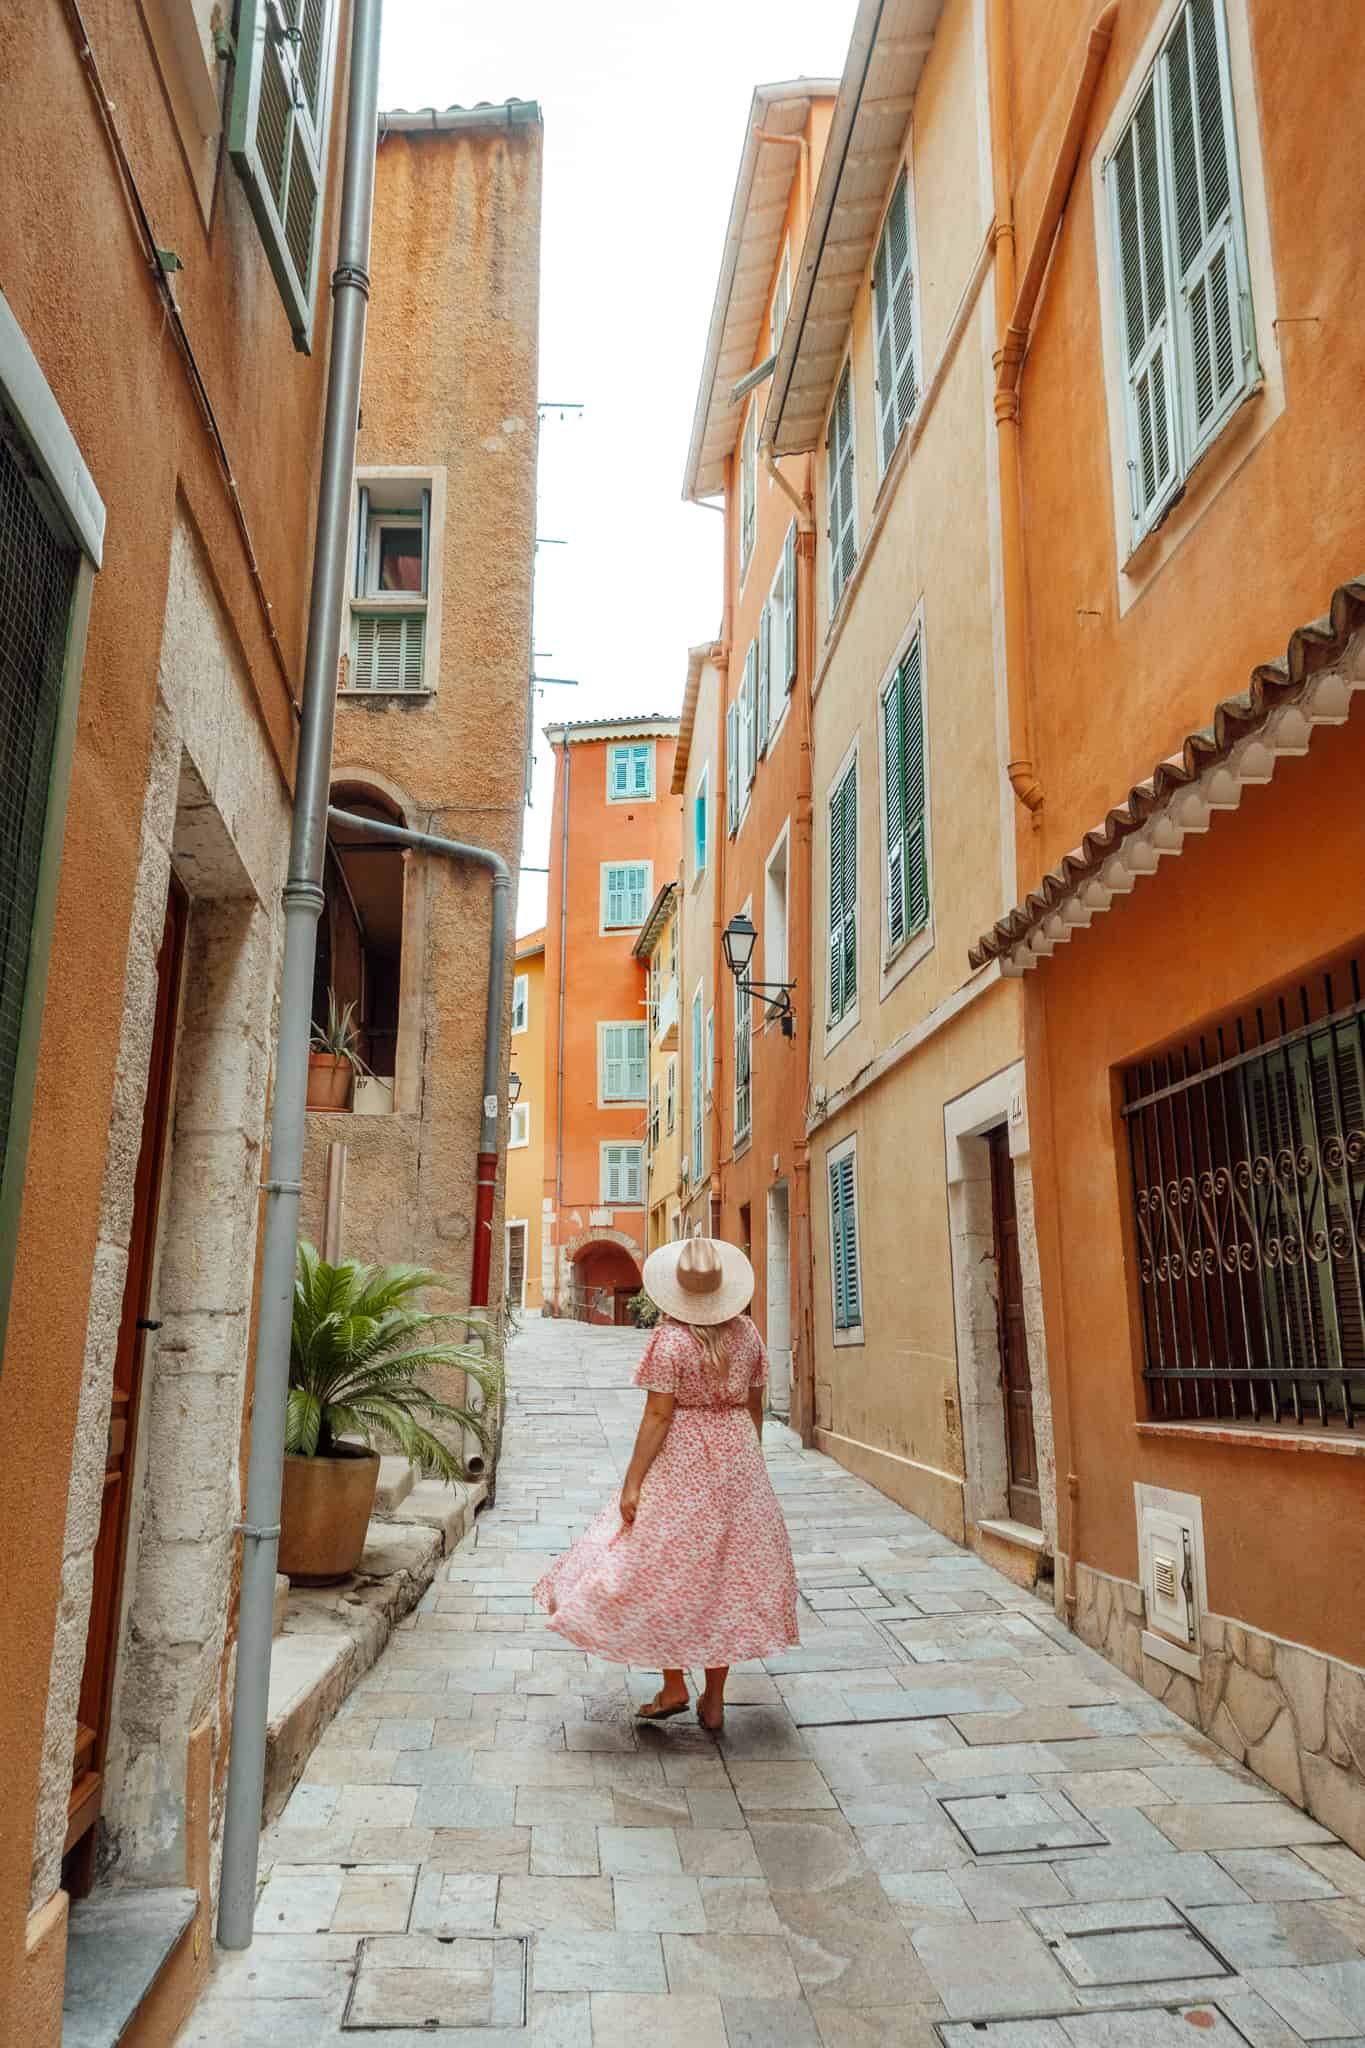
(704, 1576)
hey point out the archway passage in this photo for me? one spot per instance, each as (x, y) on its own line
(360, 935)
(605, 1278)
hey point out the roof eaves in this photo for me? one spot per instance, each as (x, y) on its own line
(655, 922)
(1274, 715)
(455, 120)
(697, 658)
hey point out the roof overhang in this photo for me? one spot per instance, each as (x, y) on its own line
(753, 238)
(530, 944)
(697, 658)
(886, 56)
(587, 729)
(656, 922)
(1276, 715)
(459, 120)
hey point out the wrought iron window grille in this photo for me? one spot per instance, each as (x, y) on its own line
(1247, 1154)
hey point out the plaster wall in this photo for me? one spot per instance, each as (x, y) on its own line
(98, 330)
(450, 388)
(526, 1163)
(924, 1030)
(699, 887)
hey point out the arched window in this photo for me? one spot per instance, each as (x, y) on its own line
(360, 934)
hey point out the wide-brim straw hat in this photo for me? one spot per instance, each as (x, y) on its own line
(699, 1280)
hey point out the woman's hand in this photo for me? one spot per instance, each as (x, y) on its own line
(630, 1501)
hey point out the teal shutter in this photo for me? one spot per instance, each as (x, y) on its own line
(895, 814)
(731, 767)
(277, 134)
(845, 1280)
(763, 714)
(914, 790)
(620, 771)
(637, 1061)
(843, 896)
(893, 292)
(699, 829)
(1149, 363)
(842, 531)
(789, 607)
(1210, 247)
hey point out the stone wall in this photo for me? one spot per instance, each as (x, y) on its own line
(1295, 1718)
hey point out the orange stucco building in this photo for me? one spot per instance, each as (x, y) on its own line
(746, 783)
(1191, 929)
(613, 840)
(525, 1188)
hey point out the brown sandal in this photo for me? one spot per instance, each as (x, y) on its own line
(652, 1711)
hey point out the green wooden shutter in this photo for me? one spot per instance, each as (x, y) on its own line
(893, 291)
(843, 537)
(836, 1243)
(750, 715)
(789, 607)
(277, 134)
(1135, 183)
(843, 896)
(914, 790)
(848, 1207)
(764, 707)
(892, 751)
(1210, 243)
(850, 882)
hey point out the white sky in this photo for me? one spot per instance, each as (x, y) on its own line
(644, 109)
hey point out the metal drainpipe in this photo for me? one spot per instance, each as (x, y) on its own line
(456, 849)
(260, 1528)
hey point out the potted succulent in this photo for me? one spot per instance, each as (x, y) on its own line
(643, 1312)
(335, 1059)
(359, 1351)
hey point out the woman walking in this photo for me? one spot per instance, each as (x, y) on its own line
(691, 1568)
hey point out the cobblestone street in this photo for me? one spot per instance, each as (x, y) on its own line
(941, 1820)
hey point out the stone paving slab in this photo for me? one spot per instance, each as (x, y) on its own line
(940, 1823)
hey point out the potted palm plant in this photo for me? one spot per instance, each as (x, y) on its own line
(360, 1349)
(335, 1059)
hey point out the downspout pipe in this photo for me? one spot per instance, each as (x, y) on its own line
(500, 926)
(1014, 332)
(303, 902)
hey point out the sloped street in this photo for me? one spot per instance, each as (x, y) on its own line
(941, 1820)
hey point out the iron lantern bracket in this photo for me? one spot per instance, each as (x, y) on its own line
(777, 996)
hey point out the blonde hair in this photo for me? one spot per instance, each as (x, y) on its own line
(717, 1341)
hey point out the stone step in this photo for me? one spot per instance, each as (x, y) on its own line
(396, 1481)
(118, 1943)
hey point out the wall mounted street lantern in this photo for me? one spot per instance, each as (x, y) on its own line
(513, 1089)
(738, 941)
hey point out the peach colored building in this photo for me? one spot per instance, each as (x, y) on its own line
(526, 1130)
(613, 841)
(744, 755)
(1186, 624)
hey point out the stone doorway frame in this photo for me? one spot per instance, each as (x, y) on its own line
(1000, 1099)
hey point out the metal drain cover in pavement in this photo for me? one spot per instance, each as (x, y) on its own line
(412, 1981)
(1138, 1941)
(1010, 1823)
(1160, 2026)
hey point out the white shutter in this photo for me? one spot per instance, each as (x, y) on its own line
(637, 894)
(764, 676)
(710, 1052)
(750, 696)
(788, 672)
(637, 1057)
(620, 771)
(696, 1160)
(1209, 244)
(1135, 182)
(894, 305)
(748, 493)
(614, 1061)
(632, 1173)
(616, 896)
(731, 767)
(843, 536)
(387, 650)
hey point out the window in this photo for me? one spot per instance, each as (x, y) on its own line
(630, 773)
(359, 953)
(1253, 1294)
(277, 133)
(842, 530)
(781, 626)
(748, 716)
(845, 1278)
(622, 1178)
(521, 999)
(698, 1163)
(623, 1055)
(744, 1032)
(389, 602)
(700, 825)
(710, 1054)
(762, 703)
(516, 1264)
(671, 1097)
(782, 295)
(520, 1133)
(655, 976)
(1181, 259)
(50, 543)
(893, 294)
(907, 817)
(654, 1116)
(748, 492)
(732, 768)
(625, 894)
(843, 894)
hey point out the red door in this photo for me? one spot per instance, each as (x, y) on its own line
(97, 1680)
(1015, 1383)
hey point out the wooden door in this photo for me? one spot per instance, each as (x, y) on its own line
(516, 1264)
(97, 1680)
(1015, 1384)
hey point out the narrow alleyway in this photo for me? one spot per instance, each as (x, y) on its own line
(941, 1812)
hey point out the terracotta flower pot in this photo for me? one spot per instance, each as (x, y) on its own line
(329, 1081)
(324, 1514)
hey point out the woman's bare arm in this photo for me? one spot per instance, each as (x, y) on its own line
(756, 1399)
(654, 1427)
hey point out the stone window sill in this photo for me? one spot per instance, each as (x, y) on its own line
(1248, 1436)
